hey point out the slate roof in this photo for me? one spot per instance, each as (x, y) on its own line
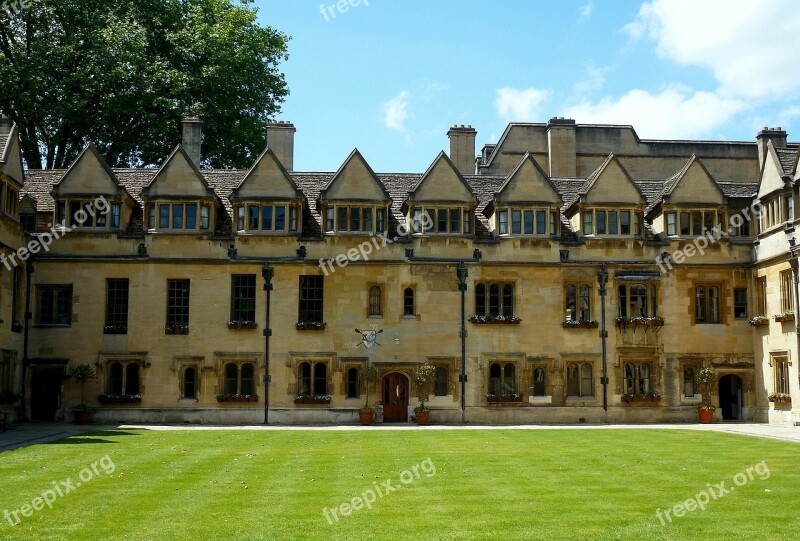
(3, 141)
(788, 159)
(39, 183)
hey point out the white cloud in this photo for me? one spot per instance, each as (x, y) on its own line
(395, 111)
(750, 47)
(594, 80)
(675, 113)
(520, 105)
(586, 10)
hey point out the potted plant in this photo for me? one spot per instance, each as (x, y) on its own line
(786, 315)
(367, 376)
(81, 374)
(423, 378)
(758, 321)
(705, 409)
(779, 398)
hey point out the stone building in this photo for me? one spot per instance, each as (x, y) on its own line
(156, 277)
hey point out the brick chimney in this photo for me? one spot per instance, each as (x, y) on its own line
(280, 139)
(192, 136)
(776, 135)
(462, 148)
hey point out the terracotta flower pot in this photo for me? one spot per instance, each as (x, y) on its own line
(366, 417)
(705, 416)
(81, 417)
(423, 417)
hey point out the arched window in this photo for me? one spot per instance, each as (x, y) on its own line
(637, 379)
(132, 379)
(688, 381)
(579, 379)
(408, 302)
(312, 378)
(502, 379)
(115, 379)
(247, 385)
(442, 381)
(304, 379)
(539, 387)
(231, 378)
(352, 383)
(375, 298)
(189, 382)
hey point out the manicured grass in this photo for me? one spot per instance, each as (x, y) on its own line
(496, 484)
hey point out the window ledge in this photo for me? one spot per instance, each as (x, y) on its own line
(375, 316)
(540, 399)
(52, 325)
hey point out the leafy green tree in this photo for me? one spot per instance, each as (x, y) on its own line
(123, 74)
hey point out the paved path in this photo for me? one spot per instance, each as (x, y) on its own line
(26, 434)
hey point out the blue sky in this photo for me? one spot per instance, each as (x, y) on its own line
(391, 76)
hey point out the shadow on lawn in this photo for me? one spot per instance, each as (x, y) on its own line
(92, 437)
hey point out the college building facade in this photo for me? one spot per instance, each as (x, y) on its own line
(595, 273)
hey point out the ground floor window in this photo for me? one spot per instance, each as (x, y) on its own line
(124, 378)
(638, 378)
(441, 381)
(539, 382)
(312, 378)
(239, 378)
(579, 379)
(689, 381)
(352, 383)
(502, 379)
(189, 382)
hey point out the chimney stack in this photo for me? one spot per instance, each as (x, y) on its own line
(192, 136)
(561, 147)
(280, 139)
(776, 135)
(462, 148)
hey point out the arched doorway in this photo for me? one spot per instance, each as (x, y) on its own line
(46, 393)
(394, 388)
(730, 397)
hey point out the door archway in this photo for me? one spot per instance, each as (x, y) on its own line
(731, 397)
(394, 394)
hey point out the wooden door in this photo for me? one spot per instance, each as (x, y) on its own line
(395, 398)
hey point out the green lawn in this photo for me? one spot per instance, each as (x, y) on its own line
(488, 484)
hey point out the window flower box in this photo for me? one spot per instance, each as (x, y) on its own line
(645, 398)
(759, 321)
(115, 329)
(318, 399)
(495, 320)
(780, 398)
(634, 322)
(242, 325)
(310, 325)
(120, 399)
(501, 399)
(573, 324)
(237, 398)
(176, 329)
(785, 317)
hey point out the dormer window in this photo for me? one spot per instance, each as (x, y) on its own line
(89, 215)
(611, 222)
(441, 221)
(267, 218)
(10, 199)
(513, 221)
(165, 216)
(776, 210)
(355, 219)
(694, 223)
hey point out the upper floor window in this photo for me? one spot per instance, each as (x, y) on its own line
(780, 364)
(787, 291)
(9, 196)
(267, 218)
(408, 302)
(761, 296)
(178, 216)
(177, 305)
(441, 221)
(116, 306)
(610, 222)
(578, 302)
(637, 300)
(740, 303)
(375, 301)
(355, 219)
(494, 299)
(89, 214)
(527, 222)
(707, 303)
(310, 309)
(243, 297)
(693, 222)
(776, 210)
(54, 305)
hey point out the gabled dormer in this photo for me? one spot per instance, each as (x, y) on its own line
(12, 175)
(527, 204)
(441, 203)
(609, 204)
(775, 191)
(691, 203)
(267, 201)
(354, 200)
(90, 197)
(179, 199)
